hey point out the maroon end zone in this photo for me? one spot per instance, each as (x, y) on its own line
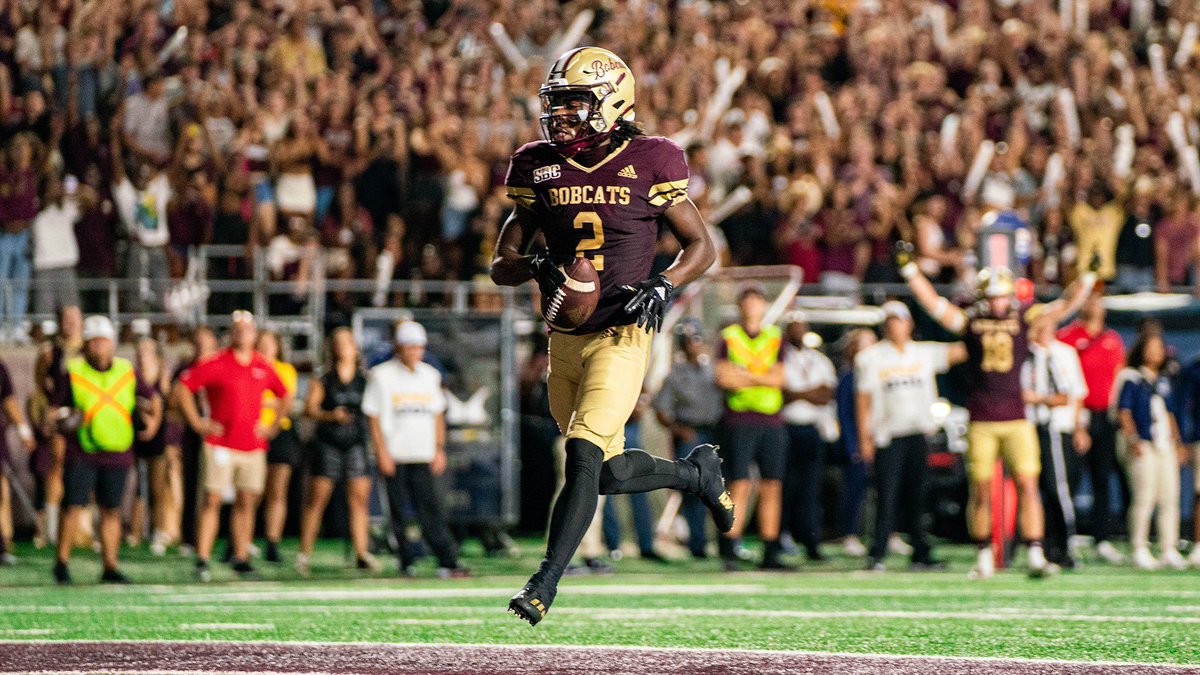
(338, 659)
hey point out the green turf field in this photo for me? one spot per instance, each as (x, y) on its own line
(1100, 613)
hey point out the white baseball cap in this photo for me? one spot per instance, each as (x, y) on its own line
(411, 333)
(894, 309)
(98, 326)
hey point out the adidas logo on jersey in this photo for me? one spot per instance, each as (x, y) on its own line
(627, 172)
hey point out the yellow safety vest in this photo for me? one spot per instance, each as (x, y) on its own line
(287, 375)
(757, 355)
(106, 400)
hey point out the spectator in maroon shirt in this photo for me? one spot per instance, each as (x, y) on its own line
(20, 175)
(15, 417)
(1175, 239)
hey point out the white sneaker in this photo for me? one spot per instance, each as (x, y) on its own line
(1039, 567)
(1171, 558)
(1144, 560)
(1194, 558)
(158, 549)
(897, 546)
(1109, 553)
(302, 564)
(8, 560)
(985, 566)
(854, 547)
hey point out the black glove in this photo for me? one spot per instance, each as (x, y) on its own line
(649, 301)
(547, 271)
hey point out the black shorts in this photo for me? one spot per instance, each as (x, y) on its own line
(339, 464)
(284, 448)
(81, 479)
(743, 444)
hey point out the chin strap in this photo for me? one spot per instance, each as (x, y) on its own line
(583, 144)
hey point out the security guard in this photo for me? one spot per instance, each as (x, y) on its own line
(750, 370)
(95, 408)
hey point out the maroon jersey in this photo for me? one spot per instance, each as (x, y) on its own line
(996, 350)
(608, 212)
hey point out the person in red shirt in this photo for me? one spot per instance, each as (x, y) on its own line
(235, 443)
(1102, 354)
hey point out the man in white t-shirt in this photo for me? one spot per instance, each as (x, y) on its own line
(896, 381)
(809, 383)
(55, 249)
(142, 206)
(405, 408)
(1054, 390)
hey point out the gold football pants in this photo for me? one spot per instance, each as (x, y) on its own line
(595, 381)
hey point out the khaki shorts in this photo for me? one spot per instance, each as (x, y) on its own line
(1196, 466)
(225, 468)
(594, 383)
(1016, 442)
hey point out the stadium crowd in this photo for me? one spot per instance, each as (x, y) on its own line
(375, 136)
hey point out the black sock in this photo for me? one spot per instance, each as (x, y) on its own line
(639, 471)
(575, 507)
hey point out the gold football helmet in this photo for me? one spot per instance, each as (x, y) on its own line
(994, 282)
(587, 92)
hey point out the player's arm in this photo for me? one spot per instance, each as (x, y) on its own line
(862, 415)
(511, 267)
(731, 377)
(697, 254)
(956, 354)
(949, 316)
(1072, 298)
(16, 417)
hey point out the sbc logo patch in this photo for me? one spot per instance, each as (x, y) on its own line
(545, 173)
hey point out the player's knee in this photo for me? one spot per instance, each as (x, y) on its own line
(584, 459)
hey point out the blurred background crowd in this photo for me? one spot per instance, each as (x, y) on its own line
(372, 138)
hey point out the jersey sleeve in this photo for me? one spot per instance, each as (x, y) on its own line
(439, 402)
(939, 356)
(865, 381)
(372, 403)
(275, 384)
(198, 376)
(1128, 396)
(519, 179)
(670, 177)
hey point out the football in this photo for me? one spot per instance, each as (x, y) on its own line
(574, 301)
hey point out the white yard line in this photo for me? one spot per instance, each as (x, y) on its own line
(226, 626)
(26, 631)
(437, 622)
(433, 593)
(634, 615)
(625, 614)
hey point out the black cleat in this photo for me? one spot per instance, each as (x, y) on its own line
(113, 576)
(243, 568)
(533, 602)
(711, 490)
(272, 554)
(62, 575)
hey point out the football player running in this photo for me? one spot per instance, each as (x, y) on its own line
(598, 187)
(995, 333)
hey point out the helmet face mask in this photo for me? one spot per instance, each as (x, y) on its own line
(567, 116)
(587, 93)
